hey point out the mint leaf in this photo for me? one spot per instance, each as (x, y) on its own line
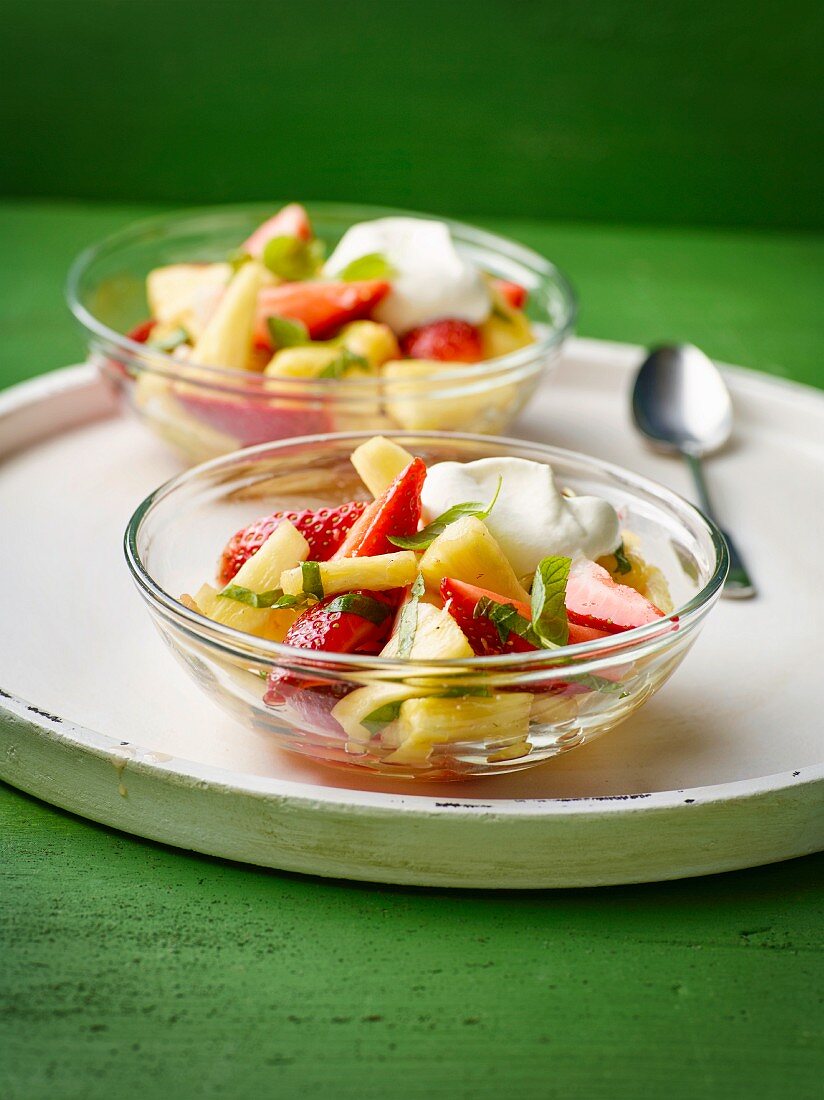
(355, 603)
(622, 562)
(274, 599)
(506, 620)
(291, 258)
(408, 621)
(381, 717)
(598, 683)
(549, 617)
(285, 332)
(459, 692)
(424, 539)
(312, 583)
(237, 258)
(371, 266)
(171, 341)
(344, 361)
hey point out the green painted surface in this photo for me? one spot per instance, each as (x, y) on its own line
(131, 970)
(672, 111)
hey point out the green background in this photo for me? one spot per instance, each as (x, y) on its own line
(668, 157)
(667, 112)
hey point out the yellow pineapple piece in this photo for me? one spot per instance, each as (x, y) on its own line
(378, 462)
(378, 573)
(186, 295)
(303, 361)
(374, 342)
(419, 400)
(263, 622)
(424, 723)
(437, 637)
(227, 338)
(500, 336)
(467, 551)
(282, 550)
(643, 576)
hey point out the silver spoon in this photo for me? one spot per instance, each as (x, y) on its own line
(681, 404)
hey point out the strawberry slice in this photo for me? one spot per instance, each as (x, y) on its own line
(396, 513)
(593, 599)
(513, 294)
(482, 633)
(450, 341)
(291, 221)
(322, 307)
(251, 421)
(324, 530)
(343, 631)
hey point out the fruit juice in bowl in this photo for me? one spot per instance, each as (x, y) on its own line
(423, 605)
(228, 328)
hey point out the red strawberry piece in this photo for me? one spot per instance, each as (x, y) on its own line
(254, 420)
(322, 307)
(141, 333)
(481, 632)
(513, 294)
(324, 530)
(449, 340)
(318, 628)
(291, 221)
(593, 599)
(307, 704)
(396, 513)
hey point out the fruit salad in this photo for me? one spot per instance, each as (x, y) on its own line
(446, 563)
(396, 302)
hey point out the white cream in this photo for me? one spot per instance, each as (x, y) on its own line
(531, 518)
(431, 279)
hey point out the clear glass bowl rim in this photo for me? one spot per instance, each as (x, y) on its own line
(567, 660)
(226, 379)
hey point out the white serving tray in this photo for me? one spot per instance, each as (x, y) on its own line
(723, 769)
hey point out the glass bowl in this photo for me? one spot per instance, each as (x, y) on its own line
(493, 714)
(207, 411)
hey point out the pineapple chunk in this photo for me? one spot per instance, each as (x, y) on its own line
(227, 338)
(500, 336)
(263, 622)
(418, 400)
(467, 551)
(643, 577)
(378, 573)
(502, 718)
(303, 361)
(186, 295)
(373, 342)
(437, 637)
(378, 462)
(282, 550)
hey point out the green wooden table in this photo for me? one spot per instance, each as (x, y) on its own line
(128, 969)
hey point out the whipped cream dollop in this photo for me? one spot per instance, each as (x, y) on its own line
(531, 518)
(430, 279)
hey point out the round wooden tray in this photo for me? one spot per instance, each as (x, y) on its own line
(723, 769)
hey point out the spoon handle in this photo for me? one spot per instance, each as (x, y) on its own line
(738, 584)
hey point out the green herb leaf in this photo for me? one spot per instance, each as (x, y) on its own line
(380, 718)
(506, 619)
(356, 604)
(291, 258)
(623, 564)
(312, 584)
(285, 332)
(371, 266)
(237, 258)
(408, 621)
(598, 683)
(458, 692)
(344, 361)
(424, 539)
(171, 341)
(275, 598)
(549, 617)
